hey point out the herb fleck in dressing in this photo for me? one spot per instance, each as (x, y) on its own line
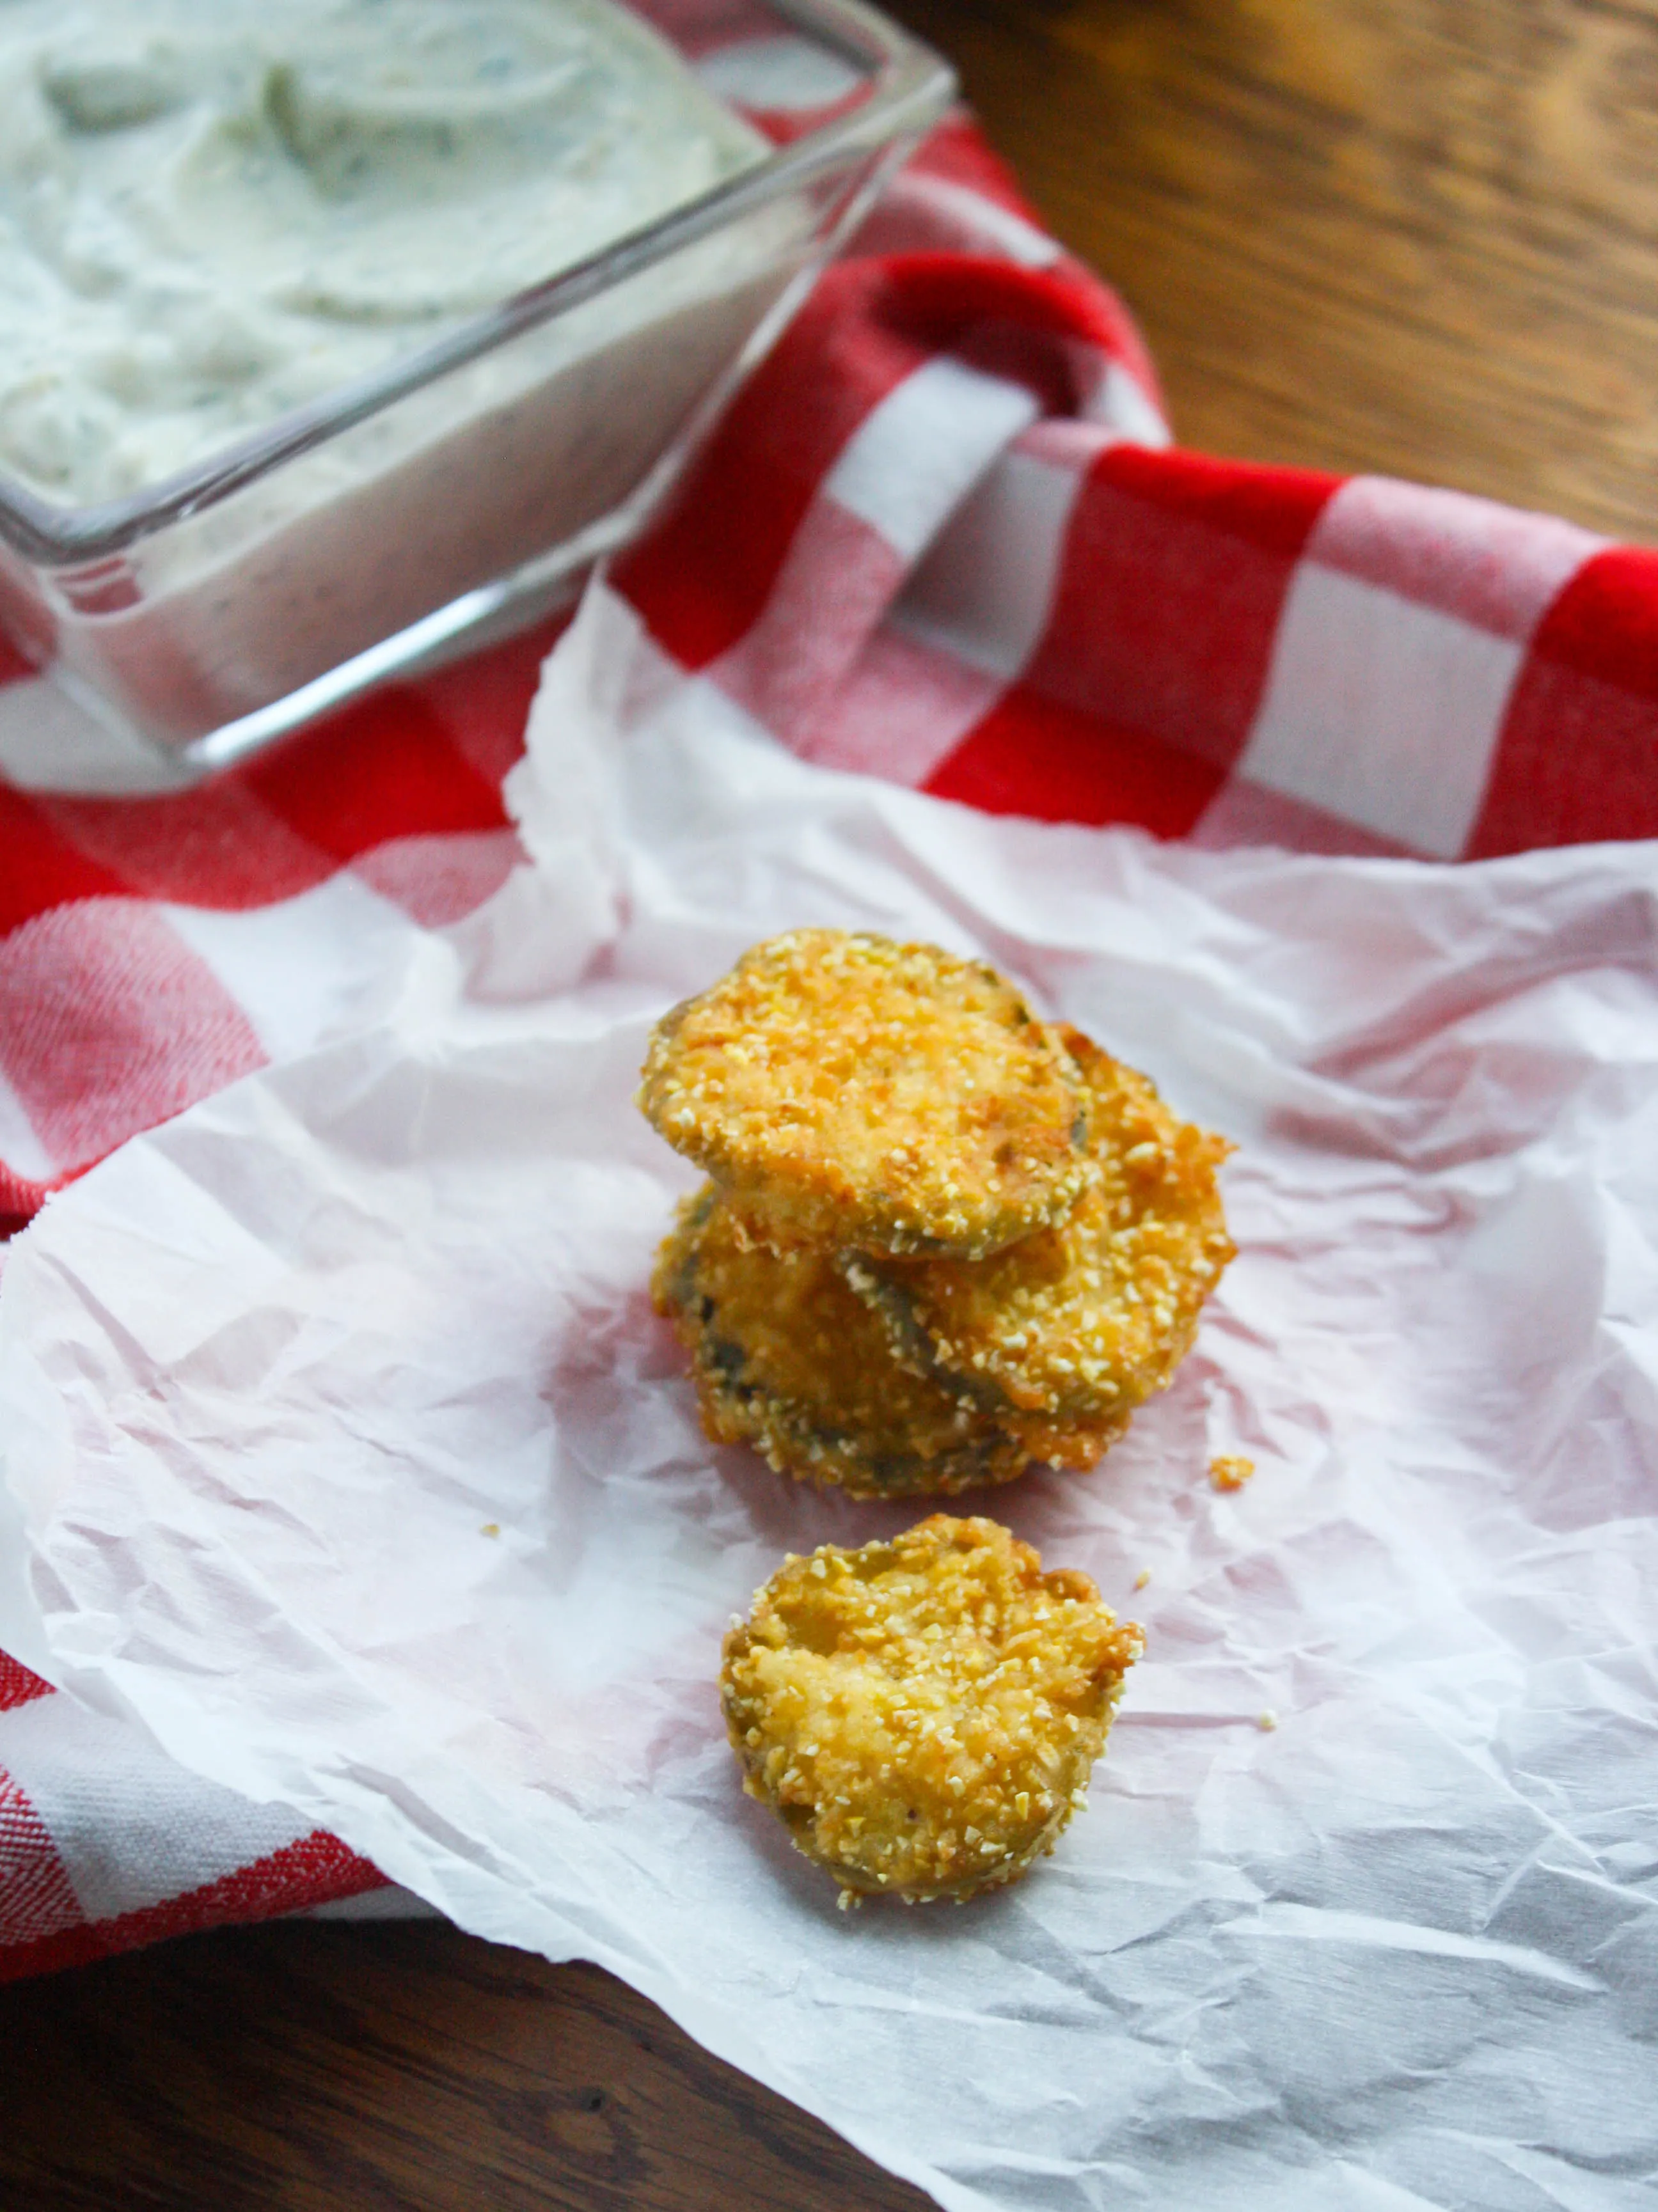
(212, 213)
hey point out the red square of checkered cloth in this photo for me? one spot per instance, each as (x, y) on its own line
(941, 537)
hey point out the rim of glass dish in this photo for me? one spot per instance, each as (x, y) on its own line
(909, 85)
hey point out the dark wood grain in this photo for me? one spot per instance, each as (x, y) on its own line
(1413, 235)
(1418, 236)
(405, 2069)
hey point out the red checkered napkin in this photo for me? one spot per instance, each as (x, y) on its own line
(941, 538)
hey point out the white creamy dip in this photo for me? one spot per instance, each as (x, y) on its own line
(212, 212)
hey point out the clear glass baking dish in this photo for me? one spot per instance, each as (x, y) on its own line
(469, 482)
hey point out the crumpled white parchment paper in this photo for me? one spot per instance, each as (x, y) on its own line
(273, 1377)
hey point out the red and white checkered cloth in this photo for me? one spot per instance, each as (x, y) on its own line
(942, 538)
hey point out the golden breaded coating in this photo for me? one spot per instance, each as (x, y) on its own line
(859, 1092)
(923, 1715)
(1087, 1318)
(787, 1359)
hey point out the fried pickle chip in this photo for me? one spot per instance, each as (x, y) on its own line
(1087, 1318)
(924, 1714)
(863, 1093)
(788, 1358)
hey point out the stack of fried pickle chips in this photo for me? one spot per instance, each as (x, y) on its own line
(942, 1239)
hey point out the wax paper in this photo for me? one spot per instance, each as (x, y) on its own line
(356, 1468)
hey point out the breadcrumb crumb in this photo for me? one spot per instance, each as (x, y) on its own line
(1228, 1474)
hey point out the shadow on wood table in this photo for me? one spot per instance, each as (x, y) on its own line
(317, 2069)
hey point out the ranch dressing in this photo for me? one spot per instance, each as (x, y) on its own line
(212, 212)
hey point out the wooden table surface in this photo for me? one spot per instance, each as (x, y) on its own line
(1418, 236)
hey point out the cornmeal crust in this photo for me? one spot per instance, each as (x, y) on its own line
(1086, 1319)
(788, 1358)
(856, 1092)
(923, 1715)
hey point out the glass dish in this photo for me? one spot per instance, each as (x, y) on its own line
(473, 481)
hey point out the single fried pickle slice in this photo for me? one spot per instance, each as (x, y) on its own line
(787, 1359)
(1087, 1318)
(923, 1715)
(865, 1093)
